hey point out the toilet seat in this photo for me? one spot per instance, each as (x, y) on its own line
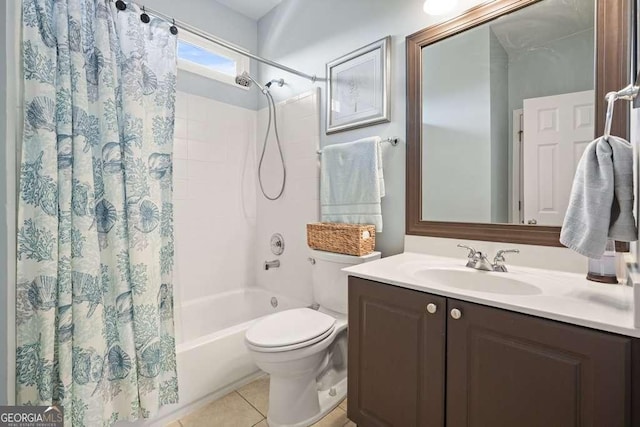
(289, 330)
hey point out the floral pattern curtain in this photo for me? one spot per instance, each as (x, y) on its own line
(95, 239)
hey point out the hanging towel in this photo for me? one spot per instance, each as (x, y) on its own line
(601, 202)
(352, 183)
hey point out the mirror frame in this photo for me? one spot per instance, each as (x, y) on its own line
(612, 72)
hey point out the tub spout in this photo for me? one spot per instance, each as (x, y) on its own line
(271, 264)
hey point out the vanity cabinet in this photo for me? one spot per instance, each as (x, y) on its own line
(393, 339)
(510, 369)
(456, 364)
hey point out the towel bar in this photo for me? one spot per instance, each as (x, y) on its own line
(392, 140)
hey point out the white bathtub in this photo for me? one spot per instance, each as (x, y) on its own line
(211, 354)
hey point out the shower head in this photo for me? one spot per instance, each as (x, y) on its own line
(246, 80)
(280, 83)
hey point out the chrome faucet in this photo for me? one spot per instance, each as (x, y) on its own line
(479, 261)
(271, 264)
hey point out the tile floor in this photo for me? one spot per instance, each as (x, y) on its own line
(247, 407)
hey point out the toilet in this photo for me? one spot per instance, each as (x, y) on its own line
(304, 350)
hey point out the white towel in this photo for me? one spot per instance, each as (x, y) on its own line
(352, 183)
(601, 202)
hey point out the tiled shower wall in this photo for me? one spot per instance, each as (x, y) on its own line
(214, 197)
(299, 128)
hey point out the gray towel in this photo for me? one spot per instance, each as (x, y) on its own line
(601, 202)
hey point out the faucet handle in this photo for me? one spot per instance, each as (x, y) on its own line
(472, 252)
(498, 261)
(501, 252)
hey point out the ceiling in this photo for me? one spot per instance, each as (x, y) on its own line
(254, 9)
(543, 22)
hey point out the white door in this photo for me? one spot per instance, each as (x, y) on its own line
(557, 129)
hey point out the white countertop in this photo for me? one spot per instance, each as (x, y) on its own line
(565, 297)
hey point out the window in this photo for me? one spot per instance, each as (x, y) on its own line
(200, 56)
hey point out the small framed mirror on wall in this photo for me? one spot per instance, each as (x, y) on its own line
(502, 100)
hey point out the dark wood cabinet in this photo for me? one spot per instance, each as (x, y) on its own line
(396, 356)
(509, 369)
(486, 367)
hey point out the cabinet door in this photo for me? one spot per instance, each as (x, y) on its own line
(396, 356)
(506, 369)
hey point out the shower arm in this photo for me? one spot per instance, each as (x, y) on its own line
(231, 47)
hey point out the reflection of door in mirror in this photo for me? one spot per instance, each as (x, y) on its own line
(557, 129)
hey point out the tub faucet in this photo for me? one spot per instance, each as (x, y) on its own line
(271, 264)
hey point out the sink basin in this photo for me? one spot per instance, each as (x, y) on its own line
(475, 280)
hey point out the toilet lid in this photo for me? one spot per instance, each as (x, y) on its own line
(289, 327)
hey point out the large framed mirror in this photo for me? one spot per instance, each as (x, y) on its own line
(501, 102)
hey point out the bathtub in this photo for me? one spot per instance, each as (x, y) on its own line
(211, 354)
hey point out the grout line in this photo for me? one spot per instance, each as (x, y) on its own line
(251, 404)
(263, 418)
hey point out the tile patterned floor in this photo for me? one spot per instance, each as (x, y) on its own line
(247, 407)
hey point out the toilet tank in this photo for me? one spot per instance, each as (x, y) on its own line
(329, 282)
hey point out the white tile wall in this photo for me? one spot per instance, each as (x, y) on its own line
(299, 128)
(223, 224)
(214, 196)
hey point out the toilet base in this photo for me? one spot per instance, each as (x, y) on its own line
(326, 402)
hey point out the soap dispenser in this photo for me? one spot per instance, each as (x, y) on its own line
(603, 270)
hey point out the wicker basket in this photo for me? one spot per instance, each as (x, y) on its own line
(349, 239)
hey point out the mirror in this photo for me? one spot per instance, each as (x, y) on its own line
(508, 108)
(503, 100)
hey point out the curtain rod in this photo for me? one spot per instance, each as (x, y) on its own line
(226, 45)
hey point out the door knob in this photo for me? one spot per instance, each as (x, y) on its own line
(456, 314)
(432, 308)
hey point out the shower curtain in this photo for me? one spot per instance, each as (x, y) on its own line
(95, 222)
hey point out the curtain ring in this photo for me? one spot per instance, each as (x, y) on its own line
(121, 5)
(144, 17)
(173, 28)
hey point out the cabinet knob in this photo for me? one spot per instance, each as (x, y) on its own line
(432, 308)
(456, 314)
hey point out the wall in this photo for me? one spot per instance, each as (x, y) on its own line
(457, 127)
(299, 130)
(465, 122)
(560, 66)
(224, 23)
(499, 89)
(308, 34)
(214, 197)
